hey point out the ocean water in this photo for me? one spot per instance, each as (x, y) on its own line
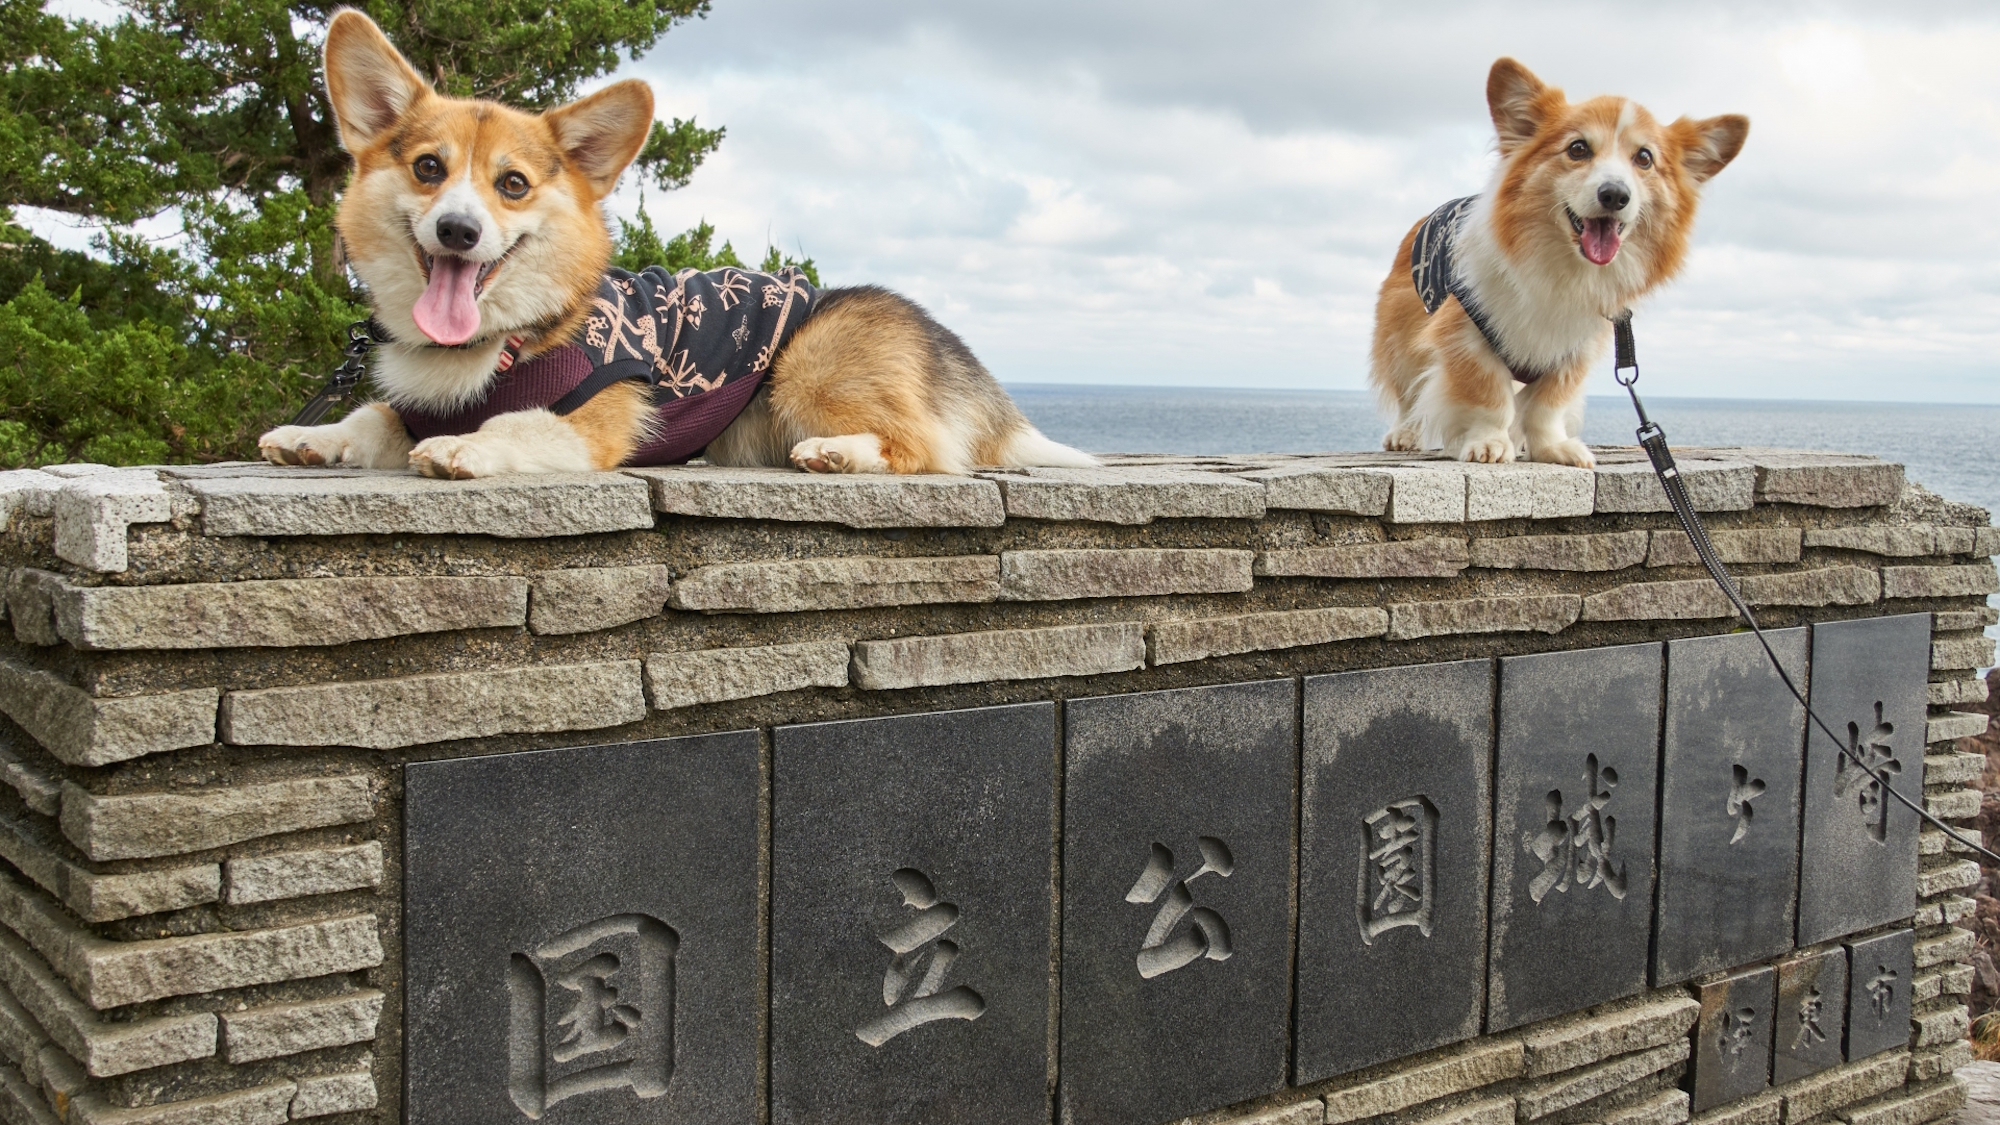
(1952, 450)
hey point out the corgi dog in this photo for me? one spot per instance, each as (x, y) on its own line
(1591, 208)
(512, 347)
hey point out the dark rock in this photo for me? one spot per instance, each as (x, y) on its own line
(1732, 1038)
(1878, 993)
(1811, 1015)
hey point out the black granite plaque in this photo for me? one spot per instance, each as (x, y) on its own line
(911, 878)
(1732, 1038)
(1396, 819)
(1858, 864)
(1878, 993)
(1812, 1014)
(1177, 892)
(580, 935)
(1729, 804)
(1578, 772)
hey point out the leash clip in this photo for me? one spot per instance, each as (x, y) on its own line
(341, 384)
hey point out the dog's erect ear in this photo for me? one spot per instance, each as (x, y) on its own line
(1709, 145)
(367, 79)
(602, 133)
(1514, 96)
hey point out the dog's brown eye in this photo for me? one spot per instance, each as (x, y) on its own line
(429, 169)
(513, 185)
(1643, 158)
(1579, 150)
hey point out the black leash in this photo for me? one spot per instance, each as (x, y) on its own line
(361, 340)
(1654, 441)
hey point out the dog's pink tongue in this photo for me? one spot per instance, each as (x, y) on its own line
(448, 312)
(1600, 241)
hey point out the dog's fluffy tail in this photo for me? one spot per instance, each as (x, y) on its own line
(1028, 446)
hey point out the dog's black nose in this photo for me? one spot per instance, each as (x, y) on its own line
(461, 232)
(1613, 195)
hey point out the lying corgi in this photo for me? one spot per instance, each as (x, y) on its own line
(1591, 208)
(512, 347)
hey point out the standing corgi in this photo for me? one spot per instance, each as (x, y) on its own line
(512, 347)
(1590, 209)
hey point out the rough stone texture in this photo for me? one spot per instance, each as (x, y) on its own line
(139, 825)
(1429, 495)
(1482, 1062)
(1887, 540)
(87, 730)
(1926, 1065)
(1954, 768)
(1591, 1038)
(1669, 1107)
(1714, 486)
(1062, 574)
(1964, 620)
(1954, 725)
(859, 500)
(1764, 1109)
(815, 584)
(1835, 585)
(1402, 558)
(103, 1047)
(1961, 804)
(31, 605)
(1751, 545)
(412, 710)
(104, 898)
(274, 1030)
(527, 506)
(686, 679)
(283, 613)
(1175, 642)
(1913, 1108)
(1613, 550)
(1562, 1091)
(1962, 652)
(319, 871)
(1827, 481)
(587, 599)
(999, 654)
(1524, 490)
(1313, 1113)
(1951, 693)
(1542, 613)
(269, 1104)
(326, 1094)
(1320, 488)
(1939, 581)
(27, 491)
(1499, 1111)
(92, 515)
(1945, 1025)
(1953, 945)
(37, 789)
(1127, 495)
(1691, 599)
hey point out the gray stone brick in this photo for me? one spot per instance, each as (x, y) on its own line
(1833, 585)
(103, 1047)
(1962, 652)
(412, 710)
(1541, 613)
(1454, 1070)
(1306, 1113)
(1747, 545)
(106, 898)
(1764, 1109)
(137, 826)
(274, 1030)
(856, 500)
(1938, 1062)
(1427, 495)
(1952, 692)
(1986, 541)
(1939, 581)
(1914, 1107)
(1887, 540)
(1322, 488)
(1944, 1025)
(1669, 1107)
(1584, 1039)
(1955, 540)
(283, 613)
(316, 871)
(1127, 495)
(1951, 877)
(1575, 1087)
(521, 506)
(1614, 550)
(92, 515)
(1000, 654)
(89, 730)
(28, 492)
(1953, 725)
(1525, 490)
(1659, 601)
(1714, 486)
(1952, 945)
(1956, 804)
(31, 605)
(586, 599)
(1062, 574)
(1827, 481)
(794, 585)
(1176, 642)
(37, 789)
(1953, 768)
(1843, 1085)
(1496, 1111)
(269, 1104)
(1964, 620)
(1399, 558)
(686, 679)
(325, 1094)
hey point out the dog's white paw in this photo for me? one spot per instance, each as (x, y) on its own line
(453, 457)
(1403, 438)
(305, 445)
(1569, 451)
(849, 453)
(1493, 448)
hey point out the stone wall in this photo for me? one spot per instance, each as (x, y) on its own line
(218, 676)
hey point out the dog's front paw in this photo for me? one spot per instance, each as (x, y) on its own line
(1569, 451)
(304, 445)
(1403, 438)
(848, 453)
(1493, 449)
(452, 458)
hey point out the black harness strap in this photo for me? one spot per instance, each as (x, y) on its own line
(599, 379)
(1435, 275)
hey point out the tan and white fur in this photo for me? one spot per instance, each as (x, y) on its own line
(1591, 207)
(496, 214)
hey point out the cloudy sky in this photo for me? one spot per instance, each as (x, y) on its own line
(1166, 192)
